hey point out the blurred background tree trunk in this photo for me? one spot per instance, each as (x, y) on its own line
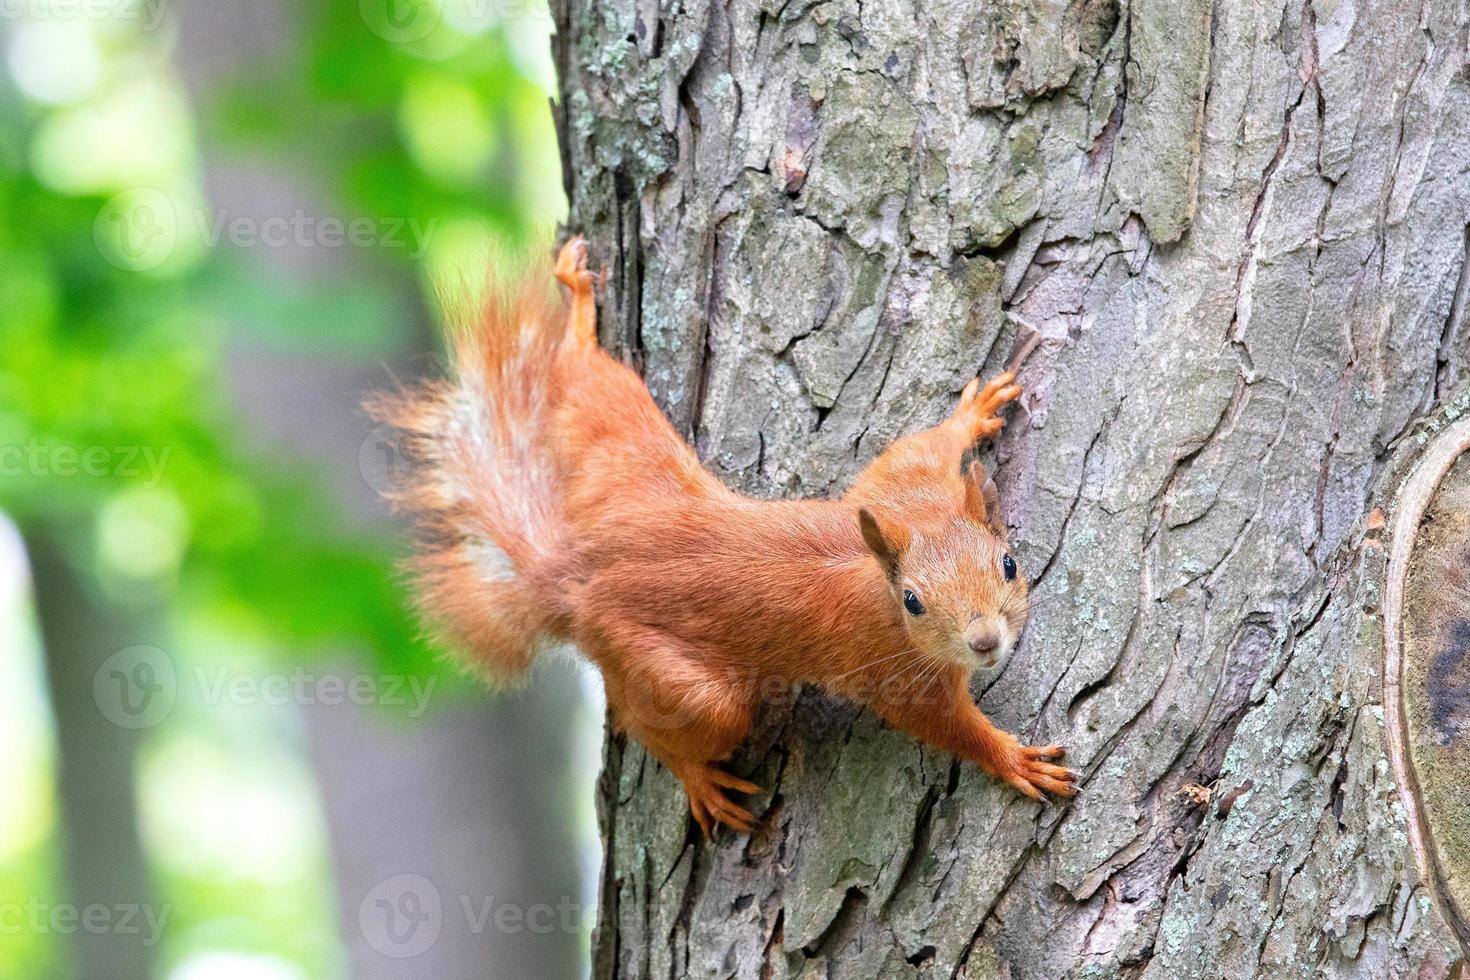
(1235, 234)
(473, 796)
(96, 760)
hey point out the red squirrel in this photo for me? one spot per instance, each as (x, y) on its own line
(559, 505)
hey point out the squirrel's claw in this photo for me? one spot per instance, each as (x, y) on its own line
(722, 778)
(708, 804)
(713, 808)
(1031, 774)
(701, 817)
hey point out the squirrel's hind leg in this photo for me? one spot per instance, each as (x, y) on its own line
(686, 715)
(571, 270)
(690, 740)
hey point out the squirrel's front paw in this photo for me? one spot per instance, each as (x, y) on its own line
(1029, 770)
(978, 405)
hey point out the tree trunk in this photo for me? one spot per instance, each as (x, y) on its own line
(1235, 236)
(98, 734)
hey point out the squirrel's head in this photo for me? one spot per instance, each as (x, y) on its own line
(959, 591)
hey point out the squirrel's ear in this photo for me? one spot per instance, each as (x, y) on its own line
(982, 499)
(885, 539)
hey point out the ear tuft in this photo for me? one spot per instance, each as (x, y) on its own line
(992, 507)
(982, 499)
(886, 539)
(976, 506)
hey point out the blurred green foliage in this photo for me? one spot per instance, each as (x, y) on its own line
(118, 439)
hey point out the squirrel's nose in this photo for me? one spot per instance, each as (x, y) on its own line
(983, 640)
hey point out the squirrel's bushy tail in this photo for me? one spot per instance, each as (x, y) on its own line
(481, 479)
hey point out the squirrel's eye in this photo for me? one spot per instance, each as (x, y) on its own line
(912, 604)
(1008, 565)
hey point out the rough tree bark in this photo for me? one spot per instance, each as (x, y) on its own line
(1239, 232)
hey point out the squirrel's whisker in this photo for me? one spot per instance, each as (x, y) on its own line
(873, 663)
(928, 674)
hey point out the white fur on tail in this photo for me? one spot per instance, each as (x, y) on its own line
(483, 489)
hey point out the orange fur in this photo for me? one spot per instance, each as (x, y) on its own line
(696, 603)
